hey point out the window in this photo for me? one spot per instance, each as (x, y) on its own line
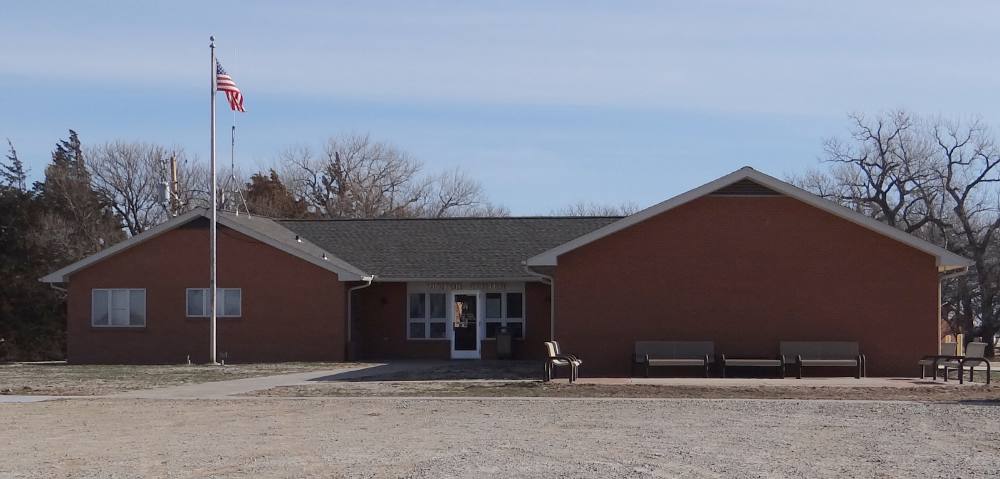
(427, 317)
(505, 310)
(229, 302)
(119, 308)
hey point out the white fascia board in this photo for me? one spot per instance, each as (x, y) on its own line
(946, 260)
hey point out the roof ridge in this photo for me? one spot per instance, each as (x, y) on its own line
(450, 218)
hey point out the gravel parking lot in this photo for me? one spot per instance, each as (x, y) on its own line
(504, 437)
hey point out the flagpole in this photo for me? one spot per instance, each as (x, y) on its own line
(212, 247)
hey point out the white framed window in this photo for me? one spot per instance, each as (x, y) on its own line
(118, 308)
(229, 302)
(427, 316)
(505, 310)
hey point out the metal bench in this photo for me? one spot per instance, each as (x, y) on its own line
(778, 363)
(948, 351)
(805, 354)
(974, 354)
(674, 354)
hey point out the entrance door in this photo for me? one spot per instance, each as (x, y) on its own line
(465, 325)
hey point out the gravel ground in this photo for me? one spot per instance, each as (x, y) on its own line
(61, 379)
(587, 438)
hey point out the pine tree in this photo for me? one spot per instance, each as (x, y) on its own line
(13, 173)
(78, 221)
(266, 195)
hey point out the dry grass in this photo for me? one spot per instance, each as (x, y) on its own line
(60, 379)
(540, 389)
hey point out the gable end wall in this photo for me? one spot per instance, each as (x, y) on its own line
(747, 273)
(292, 310)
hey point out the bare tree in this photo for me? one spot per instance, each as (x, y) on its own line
(357, 177)
(128, 174)
(583, 208)
(883, 170)
(969, 174)
(934, 178)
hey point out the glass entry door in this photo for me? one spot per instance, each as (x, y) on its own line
(465, 325)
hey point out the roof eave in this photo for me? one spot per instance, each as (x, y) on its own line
(344, 270)
(943, 257)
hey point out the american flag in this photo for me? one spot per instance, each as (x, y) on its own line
(223, 82)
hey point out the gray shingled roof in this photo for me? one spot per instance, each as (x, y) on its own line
(452, 248)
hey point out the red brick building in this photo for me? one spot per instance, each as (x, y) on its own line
(745, 261)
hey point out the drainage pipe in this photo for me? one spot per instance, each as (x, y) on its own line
(350, 308)
(549, 280)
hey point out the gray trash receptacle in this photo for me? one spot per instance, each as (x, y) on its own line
(504, 340)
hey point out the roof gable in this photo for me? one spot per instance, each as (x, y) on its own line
(261, 229)
(749, 182)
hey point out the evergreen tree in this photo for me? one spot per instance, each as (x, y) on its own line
(268, 196)
(78, 220)
(32, 315)
(13, 173)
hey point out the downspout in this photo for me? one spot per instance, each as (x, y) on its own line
(350, 309)
(549, 280)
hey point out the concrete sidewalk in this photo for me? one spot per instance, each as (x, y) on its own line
(235, 387)
(839, 382)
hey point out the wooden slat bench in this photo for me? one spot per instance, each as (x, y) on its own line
(805, 354)
(674, 354)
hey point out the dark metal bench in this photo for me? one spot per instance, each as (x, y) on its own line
(974, 354)
(778, 363)
(948, 351)
(826, 354)
(674, 354)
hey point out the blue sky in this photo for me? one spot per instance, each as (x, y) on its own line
(547, 103)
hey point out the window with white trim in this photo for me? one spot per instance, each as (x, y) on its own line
(505, 310)
(427, 316)
(229, 302)
(118, 308)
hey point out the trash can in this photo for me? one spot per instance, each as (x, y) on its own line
(504, 340)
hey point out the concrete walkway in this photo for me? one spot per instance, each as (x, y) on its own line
(840, 382)
(372, 372)
(235, 387)
(11, 399)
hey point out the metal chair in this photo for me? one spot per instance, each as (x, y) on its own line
(555, 359)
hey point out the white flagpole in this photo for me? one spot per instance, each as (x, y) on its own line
(212, 247)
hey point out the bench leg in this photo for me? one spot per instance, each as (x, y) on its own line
(647, 369)
(858, 374)
(971, 371)
(723, 370)
(781, 370)
(923, 371)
